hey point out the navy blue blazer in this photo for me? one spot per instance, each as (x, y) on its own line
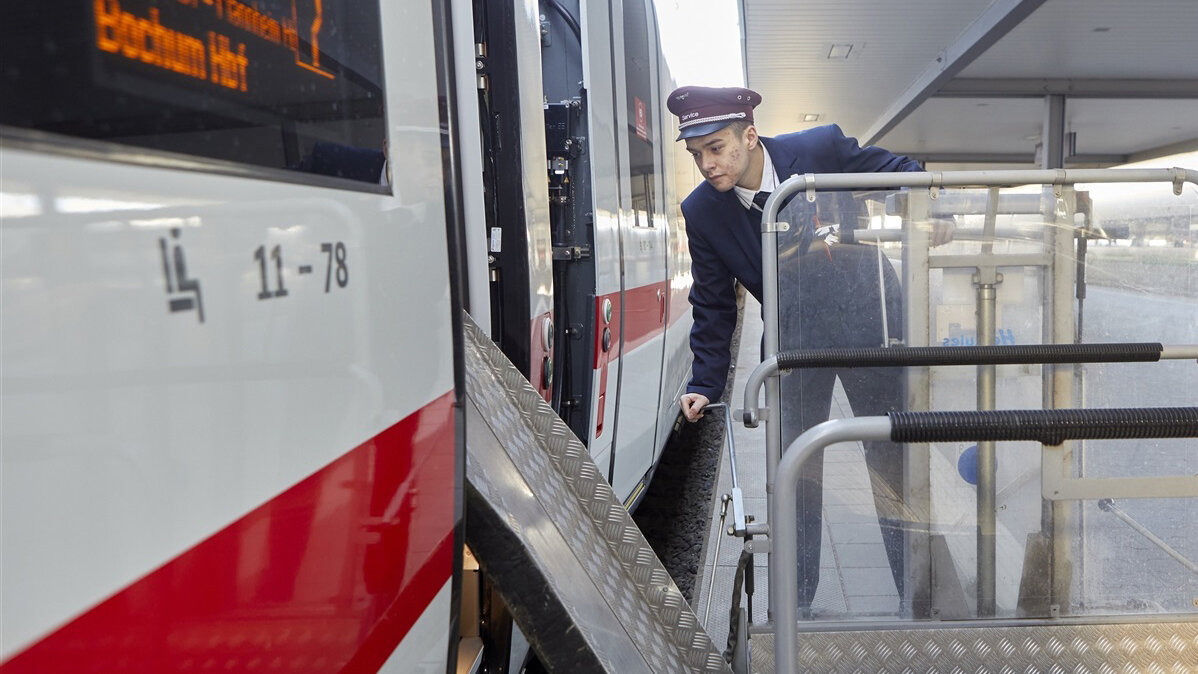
(725, 244)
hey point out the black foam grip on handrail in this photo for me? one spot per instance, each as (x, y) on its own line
(905, 356)
(1050, 427)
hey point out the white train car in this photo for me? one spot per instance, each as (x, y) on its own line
(585, 95)
(236, 241)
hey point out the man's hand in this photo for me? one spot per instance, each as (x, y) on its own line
(692, 405)
(942, 231)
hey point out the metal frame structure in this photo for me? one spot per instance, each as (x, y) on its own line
(785, 581)
(1058, 486)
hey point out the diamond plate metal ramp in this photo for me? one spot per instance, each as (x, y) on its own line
(579, 578)
(987, 648)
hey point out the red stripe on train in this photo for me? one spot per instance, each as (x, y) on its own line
(644, 317)
(327, 576)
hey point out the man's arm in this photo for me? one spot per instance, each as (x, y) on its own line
(713, 298)
(856, 159)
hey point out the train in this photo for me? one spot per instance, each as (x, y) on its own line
(240, 243)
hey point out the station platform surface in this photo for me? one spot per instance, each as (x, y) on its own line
(855, 579)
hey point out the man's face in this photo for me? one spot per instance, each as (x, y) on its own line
(723, 156)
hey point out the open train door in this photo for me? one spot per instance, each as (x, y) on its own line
(516, 198)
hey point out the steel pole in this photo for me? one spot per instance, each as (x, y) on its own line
(784, 570)
(986, 489)
(773, 396)
(986, 281)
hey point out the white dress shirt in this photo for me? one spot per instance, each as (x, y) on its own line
(769, 182)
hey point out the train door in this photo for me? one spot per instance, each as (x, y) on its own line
(516, 193)
(567, 140)
(631, 287)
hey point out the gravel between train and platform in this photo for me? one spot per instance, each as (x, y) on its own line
(677, 510)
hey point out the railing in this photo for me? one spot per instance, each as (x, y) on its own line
(1036, 242)
(1051, 427)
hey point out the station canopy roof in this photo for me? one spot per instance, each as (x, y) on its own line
(962, 84)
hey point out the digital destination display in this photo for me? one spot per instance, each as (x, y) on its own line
(237, 46)
(289, 84)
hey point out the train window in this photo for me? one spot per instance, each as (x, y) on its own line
(294, 85)
(642, 118)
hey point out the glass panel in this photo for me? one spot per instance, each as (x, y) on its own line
(285, 84)
(642, 120)
(887, 538)
(1021, 231)
(1141, 285)
(834, 295)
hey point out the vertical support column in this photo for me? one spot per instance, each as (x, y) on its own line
(986, 281)
(1052, 137)
(986, 465)
(917, 485)
(773, 391)
(1061, 393)
(1059, 324)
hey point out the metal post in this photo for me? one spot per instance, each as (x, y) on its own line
(1053, 157)
(715, 560)
(784, 570)
(986, 281)
(917, 462)
(986, 466)
(1052, 137)
(1060, 309)
(773, 394)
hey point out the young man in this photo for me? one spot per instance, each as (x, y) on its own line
(840, 302)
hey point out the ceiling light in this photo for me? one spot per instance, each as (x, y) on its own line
(839, 52)
(811, 117)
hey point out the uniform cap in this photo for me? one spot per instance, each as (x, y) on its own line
(704, 110)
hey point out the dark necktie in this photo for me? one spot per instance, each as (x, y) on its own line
(756, 211)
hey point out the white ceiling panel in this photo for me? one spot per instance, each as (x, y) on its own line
(1106, 47)
(1129, 126)
(787, 45)
(944, 125)
(1098, 39)
(1011, 126)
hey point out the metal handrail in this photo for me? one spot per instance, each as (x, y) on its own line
(954, 355)
(1010, 178)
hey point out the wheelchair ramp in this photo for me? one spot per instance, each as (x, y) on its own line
(1069, 648)
(577, 574)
